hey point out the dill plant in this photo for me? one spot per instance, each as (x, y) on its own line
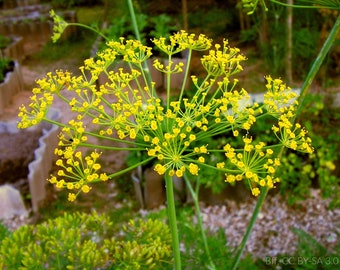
(172, 132)
(86, 241)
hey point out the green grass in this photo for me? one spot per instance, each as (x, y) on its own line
(94, 14)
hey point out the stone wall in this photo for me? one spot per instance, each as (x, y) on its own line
(34, 25)
(12, 85)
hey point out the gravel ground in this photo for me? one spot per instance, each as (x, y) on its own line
(272, 233)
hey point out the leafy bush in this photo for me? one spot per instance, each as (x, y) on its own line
(4, 232)
(149, 27)
(83, 241)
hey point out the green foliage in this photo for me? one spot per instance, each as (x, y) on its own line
(212, 21)
(163, 26)
(147, 244)
(82, 241)
(4, 66)
(65, 49)
(4, 232)
(274, 50)
(268, 29)
(4, 42)
(4, 62)
(149, 27)
(304, 49)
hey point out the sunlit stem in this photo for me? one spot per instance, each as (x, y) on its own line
(89, 28)
(121, 172)
(136, 30)
(172, 220)
(194, 195)
(185, 74)
(112, 148)
(251, 224)
(168, 85)
(313, 5)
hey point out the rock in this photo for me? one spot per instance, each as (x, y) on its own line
(16, 152)
(11, 203)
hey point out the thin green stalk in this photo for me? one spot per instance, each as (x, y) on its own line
(168, 85)
(251, 224)
(317, 63)
(312, 5)
(136, 30)
(185, 74)
(194, 195)
(172, 220)
(121, 172)
(113, 148)
(133, 19)
(89, 28)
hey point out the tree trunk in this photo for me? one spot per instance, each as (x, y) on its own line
(185, 15)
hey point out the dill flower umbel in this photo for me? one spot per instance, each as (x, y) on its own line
(173, 133)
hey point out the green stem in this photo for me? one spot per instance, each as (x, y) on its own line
(133, 19)
(304, 6)
(251, 224)
(168, 85)
(186, 74)
(112, 148)
(89, 28)
(121, 172)
(172, 220)
(136, 30)
(317, 63)
(194, 195)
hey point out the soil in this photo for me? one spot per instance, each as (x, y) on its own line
(16, 152)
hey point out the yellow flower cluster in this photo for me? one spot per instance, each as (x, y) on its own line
(293, 136)
(133, 51)
(181, 41)
(42, 98)
(255, 164)
(280, 102)
(126, 109)
(59, 25)
(279, 98)
(223, 62)
(76, 171)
